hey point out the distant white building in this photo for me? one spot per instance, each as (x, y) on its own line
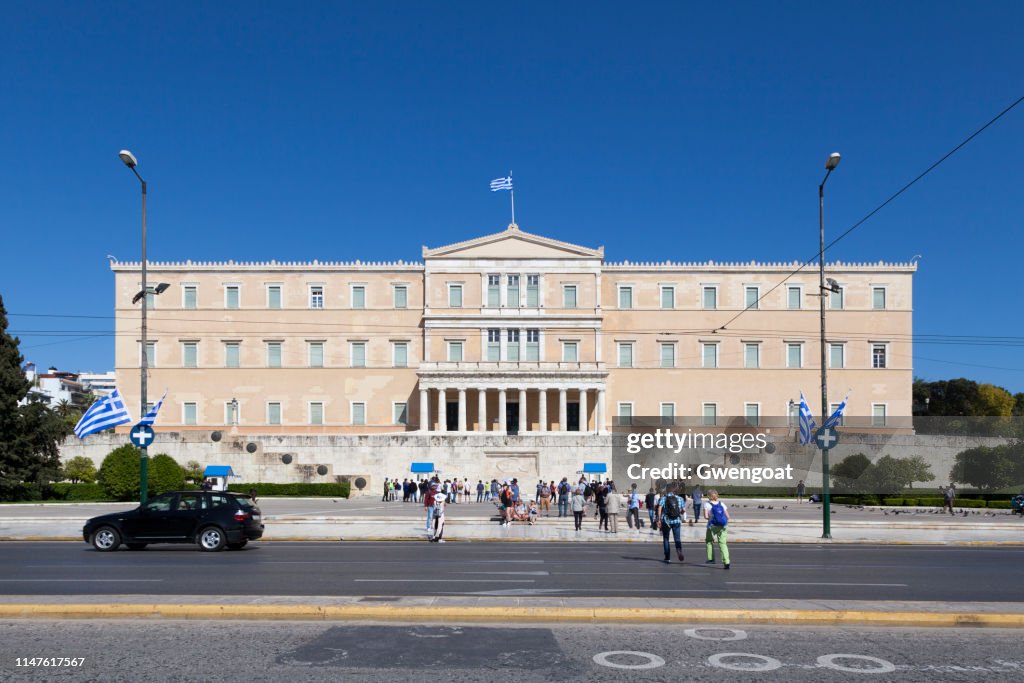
(53, 386)
(100, 384)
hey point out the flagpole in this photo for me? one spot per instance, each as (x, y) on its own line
(512, 192)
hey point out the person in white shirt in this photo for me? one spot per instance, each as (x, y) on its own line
(439, 505)
(718, 518)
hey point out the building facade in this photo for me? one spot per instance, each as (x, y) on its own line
(511, 333)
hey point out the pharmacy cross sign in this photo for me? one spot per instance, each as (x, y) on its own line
(826, 438)
(141, 435)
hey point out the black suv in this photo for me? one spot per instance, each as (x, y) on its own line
(212, 519)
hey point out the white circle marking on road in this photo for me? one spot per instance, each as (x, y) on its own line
(829, 662)
(653, 661)
(766, 664)
(735, 633)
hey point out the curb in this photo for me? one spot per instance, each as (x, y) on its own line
(505, 614)
(496, 539)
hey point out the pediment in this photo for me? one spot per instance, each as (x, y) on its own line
(513, 243)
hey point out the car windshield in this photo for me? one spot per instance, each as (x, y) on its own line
(245, 502)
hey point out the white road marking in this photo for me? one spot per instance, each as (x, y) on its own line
(77, 580)
(766, 663)
(653, 661)
(511, 573)
(736, 634)
(814, 583)
(884, 667)
(444, 580)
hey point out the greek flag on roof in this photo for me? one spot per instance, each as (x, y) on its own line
(834, 418)
(501, 184)
(806, 422)
(150, 417)
(105, 413)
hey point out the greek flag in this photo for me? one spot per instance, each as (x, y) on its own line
(105, 413)
(150, 417)
(833, 420)
(501, 184)
(807, 426)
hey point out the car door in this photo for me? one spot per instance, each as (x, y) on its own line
(152, 519)
(183, 518)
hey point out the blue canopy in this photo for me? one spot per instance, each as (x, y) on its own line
(594, 468)
(422, 467)
(218, 471)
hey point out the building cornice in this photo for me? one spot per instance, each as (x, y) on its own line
(272, 265)
(753, 266)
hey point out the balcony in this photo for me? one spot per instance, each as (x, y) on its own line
(532, 367)
(512, 375)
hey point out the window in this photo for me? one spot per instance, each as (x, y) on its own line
(399, 414)
(668, 296)
(878, 355)
(400, 295)
(569, 296)
(274, 296)
(753, 293)
(710, 297)
(358, 354)
(570, 352)
(709, 414)
(316, 413)
(316, 296)
(533, 291)
(189, 354)
(625, 413)
(400, 355)
(626, 355)
(273, 354)
(454, 296)
(837, 356)
(878, 415)
(709, 355)
(151, 354)
(512, 296)
(150, 297)
(832, 408)
(455, 352)
(231, 296)
(512, 349)
(358, 413)
(189, 297)
(273, 413)
(625, 297)
(316, 354)
(794, 355)
(231, 413)
(188, 413)
(493, 345)
(668, 355)
(794, 297)
(751, 355)
(752, 414)
(835, 299)
(878, 298)
(358, 296)
(533, 345)
(493, 291)
(668, 413)
(231, 354)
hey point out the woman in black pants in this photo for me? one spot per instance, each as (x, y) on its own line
(579, 504)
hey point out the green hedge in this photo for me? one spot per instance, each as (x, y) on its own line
(1003, 504)
(86, 492)
(300, 490)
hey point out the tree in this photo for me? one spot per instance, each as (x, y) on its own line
(848, 472)
(989, 468)
(916, 469)
(193, 471)
(994, 401)
(80, 469)
(119, 474)
(165, 474)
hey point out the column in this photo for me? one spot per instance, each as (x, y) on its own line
(543, 410)
(462, 410)
(442, 411)
(583, 411)
(522, 410)
(600, 412)
(424, 410)
(481, 410)
(501, 411)
(563, 422)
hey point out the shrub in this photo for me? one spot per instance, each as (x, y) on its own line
(165, 474)
(967, 503)
(83, 492)
(80, 469)
(119, 473)
(1003, 504)
(333, 490)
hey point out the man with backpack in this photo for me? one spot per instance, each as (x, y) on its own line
(563, 497)
(671, 511)
(651, 501)
(718, 520)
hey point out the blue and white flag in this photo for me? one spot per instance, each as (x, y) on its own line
(150, 417)
(837, 416)
(105, 413)
(807, 426)
(501, 184)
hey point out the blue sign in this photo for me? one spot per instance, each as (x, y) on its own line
(826, 438)
(142, 435)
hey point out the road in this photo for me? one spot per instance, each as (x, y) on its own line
(769, 571)
(525, 653)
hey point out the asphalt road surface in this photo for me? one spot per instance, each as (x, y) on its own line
(524, 653)
(811, 572)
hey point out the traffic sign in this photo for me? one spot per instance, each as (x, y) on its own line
(141, 435)
(826, 438)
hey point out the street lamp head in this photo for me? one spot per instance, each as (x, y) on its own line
(162, 287)
(832, 161)
(128, 158)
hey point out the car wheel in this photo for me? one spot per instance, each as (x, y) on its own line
(237, 546)
(105, 539)
(136, 546)
(211, 539)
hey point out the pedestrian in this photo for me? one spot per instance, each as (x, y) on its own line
(467, 492)
(544, 495)
(439, 508)
(507, 504)
(601, 498)
(252, 494)
(651, 502)
(948, 496)
(612, 504)
(387, 489)
(671, 511)
(563, 497)
(480, 490)
(578, 504)
(698, 509)
(493, 493)
(633, 509)
(718, 520)
(514, 487)
(423, 487)
(428, 503)
(800, 491)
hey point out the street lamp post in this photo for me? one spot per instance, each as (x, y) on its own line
(131, 162)
(826, 509)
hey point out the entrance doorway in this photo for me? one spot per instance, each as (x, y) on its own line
(511, 419)
(452, 416)
(572, 417)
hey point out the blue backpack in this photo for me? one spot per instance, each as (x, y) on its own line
(718, 517)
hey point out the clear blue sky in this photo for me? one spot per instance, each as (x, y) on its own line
(363, 130)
